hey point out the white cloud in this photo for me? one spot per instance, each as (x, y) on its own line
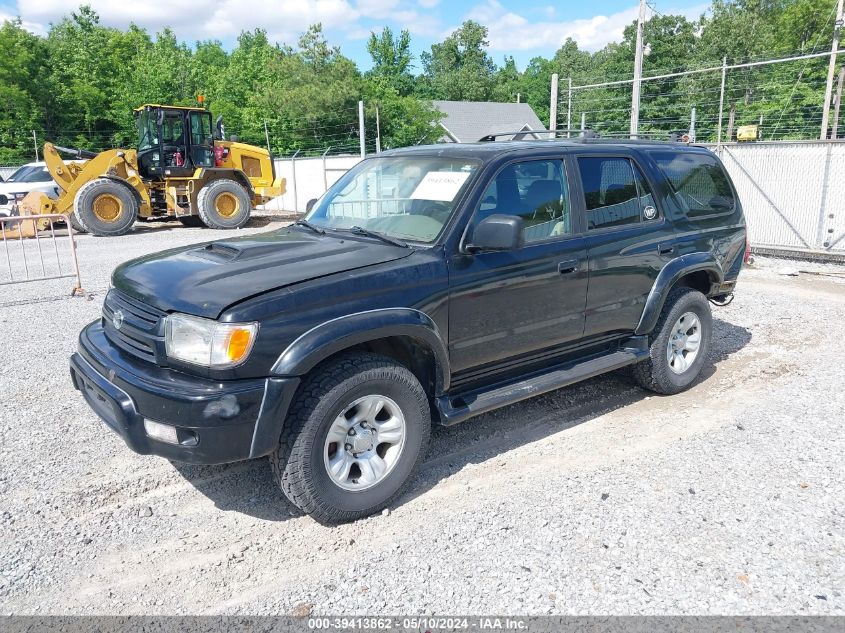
(200, 19)
(428, 4)
(33, 27)
(509, 31)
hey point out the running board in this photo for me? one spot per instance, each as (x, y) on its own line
(466, 405)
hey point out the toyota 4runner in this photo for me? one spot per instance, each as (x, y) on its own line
(429, 284)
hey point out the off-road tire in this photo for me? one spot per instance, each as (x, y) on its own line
(654, 373)
(208, 207)
(74, 222)
(298, 463)
(117, 193)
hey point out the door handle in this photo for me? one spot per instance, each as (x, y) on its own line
(567, 268)
(665, 249)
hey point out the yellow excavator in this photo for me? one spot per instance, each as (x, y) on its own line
(182, 168)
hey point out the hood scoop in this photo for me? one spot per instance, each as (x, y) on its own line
(217, 252)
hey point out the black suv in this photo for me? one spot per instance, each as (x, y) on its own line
(428, 284)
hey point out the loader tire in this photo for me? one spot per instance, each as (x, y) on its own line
(224, 204)
(105, 207)
(74, 222)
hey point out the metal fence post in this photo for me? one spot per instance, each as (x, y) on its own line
(325, 177)
(293, 177)
(721, 102)
(361, 128)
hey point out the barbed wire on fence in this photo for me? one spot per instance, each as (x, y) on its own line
(690, 100)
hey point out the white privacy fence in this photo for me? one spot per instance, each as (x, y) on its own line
(308, 178)
(793, 194)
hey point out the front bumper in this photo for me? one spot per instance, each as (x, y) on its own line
(220, 422)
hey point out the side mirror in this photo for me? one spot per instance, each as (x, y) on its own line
(498, 233)
(721, 203)
(310, 205)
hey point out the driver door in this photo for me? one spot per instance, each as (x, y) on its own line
(518, 304)
(175, 161)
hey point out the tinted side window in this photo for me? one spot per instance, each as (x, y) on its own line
(647, 207)
(534, 190)
(610, 192)
(699, 182)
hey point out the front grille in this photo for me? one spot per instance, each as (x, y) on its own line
(141, 331)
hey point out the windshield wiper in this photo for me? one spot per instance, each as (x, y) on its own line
(360, 230)
(310, 226)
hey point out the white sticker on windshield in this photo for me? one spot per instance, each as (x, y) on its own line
(440, 185)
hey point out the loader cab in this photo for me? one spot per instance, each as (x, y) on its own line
(173, 141)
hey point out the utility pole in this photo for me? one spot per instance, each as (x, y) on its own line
(828, 90)
(361, 128)
(553, 105)
(638, 73)
(569, 109)
(834, 133)
(35, 144)
(518, 98)
(692, 126)
(721, 102)
(583, 122)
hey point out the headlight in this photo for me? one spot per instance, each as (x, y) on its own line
(206, 342)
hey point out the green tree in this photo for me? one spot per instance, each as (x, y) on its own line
(392, 60)
(459, 68)
(22, 91)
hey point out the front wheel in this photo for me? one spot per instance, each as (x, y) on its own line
(680, 343)
(105, 207)
(356, 433)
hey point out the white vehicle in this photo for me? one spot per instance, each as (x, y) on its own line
(30, 177)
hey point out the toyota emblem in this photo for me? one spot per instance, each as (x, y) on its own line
(117, 320)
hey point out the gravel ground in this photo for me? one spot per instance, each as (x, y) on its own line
(595, 499)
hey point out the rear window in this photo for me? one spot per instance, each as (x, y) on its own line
(699, 182)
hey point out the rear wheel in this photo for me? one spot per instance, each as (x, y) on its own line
(224, 204)
(105, 207)
(680, 343)
(356, 433)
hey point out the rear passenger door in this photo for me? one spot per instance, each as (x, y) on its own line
(628, 241)
(505, 305)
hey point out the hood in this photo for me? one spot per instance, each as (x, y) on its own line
(205, 279)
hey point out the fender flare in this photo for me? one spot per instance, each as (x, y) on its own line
(668, 277)
(335, 335)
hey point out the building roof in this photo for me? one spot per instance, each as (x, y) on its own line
(469, 121)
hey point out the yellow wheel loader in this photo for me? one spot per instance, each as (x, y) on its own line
(180, 169)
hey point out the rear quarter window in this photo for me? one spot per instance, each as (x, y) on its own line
(698, 181)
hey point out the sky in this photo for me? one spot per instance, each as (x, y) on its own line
(521, 28)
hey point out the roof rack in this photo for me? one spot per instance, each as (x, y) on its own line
(552, 134)
(591, 136)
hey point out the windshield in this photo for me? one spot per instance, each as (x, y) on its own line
(31, 174)
(146, 131)
(409, 198)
